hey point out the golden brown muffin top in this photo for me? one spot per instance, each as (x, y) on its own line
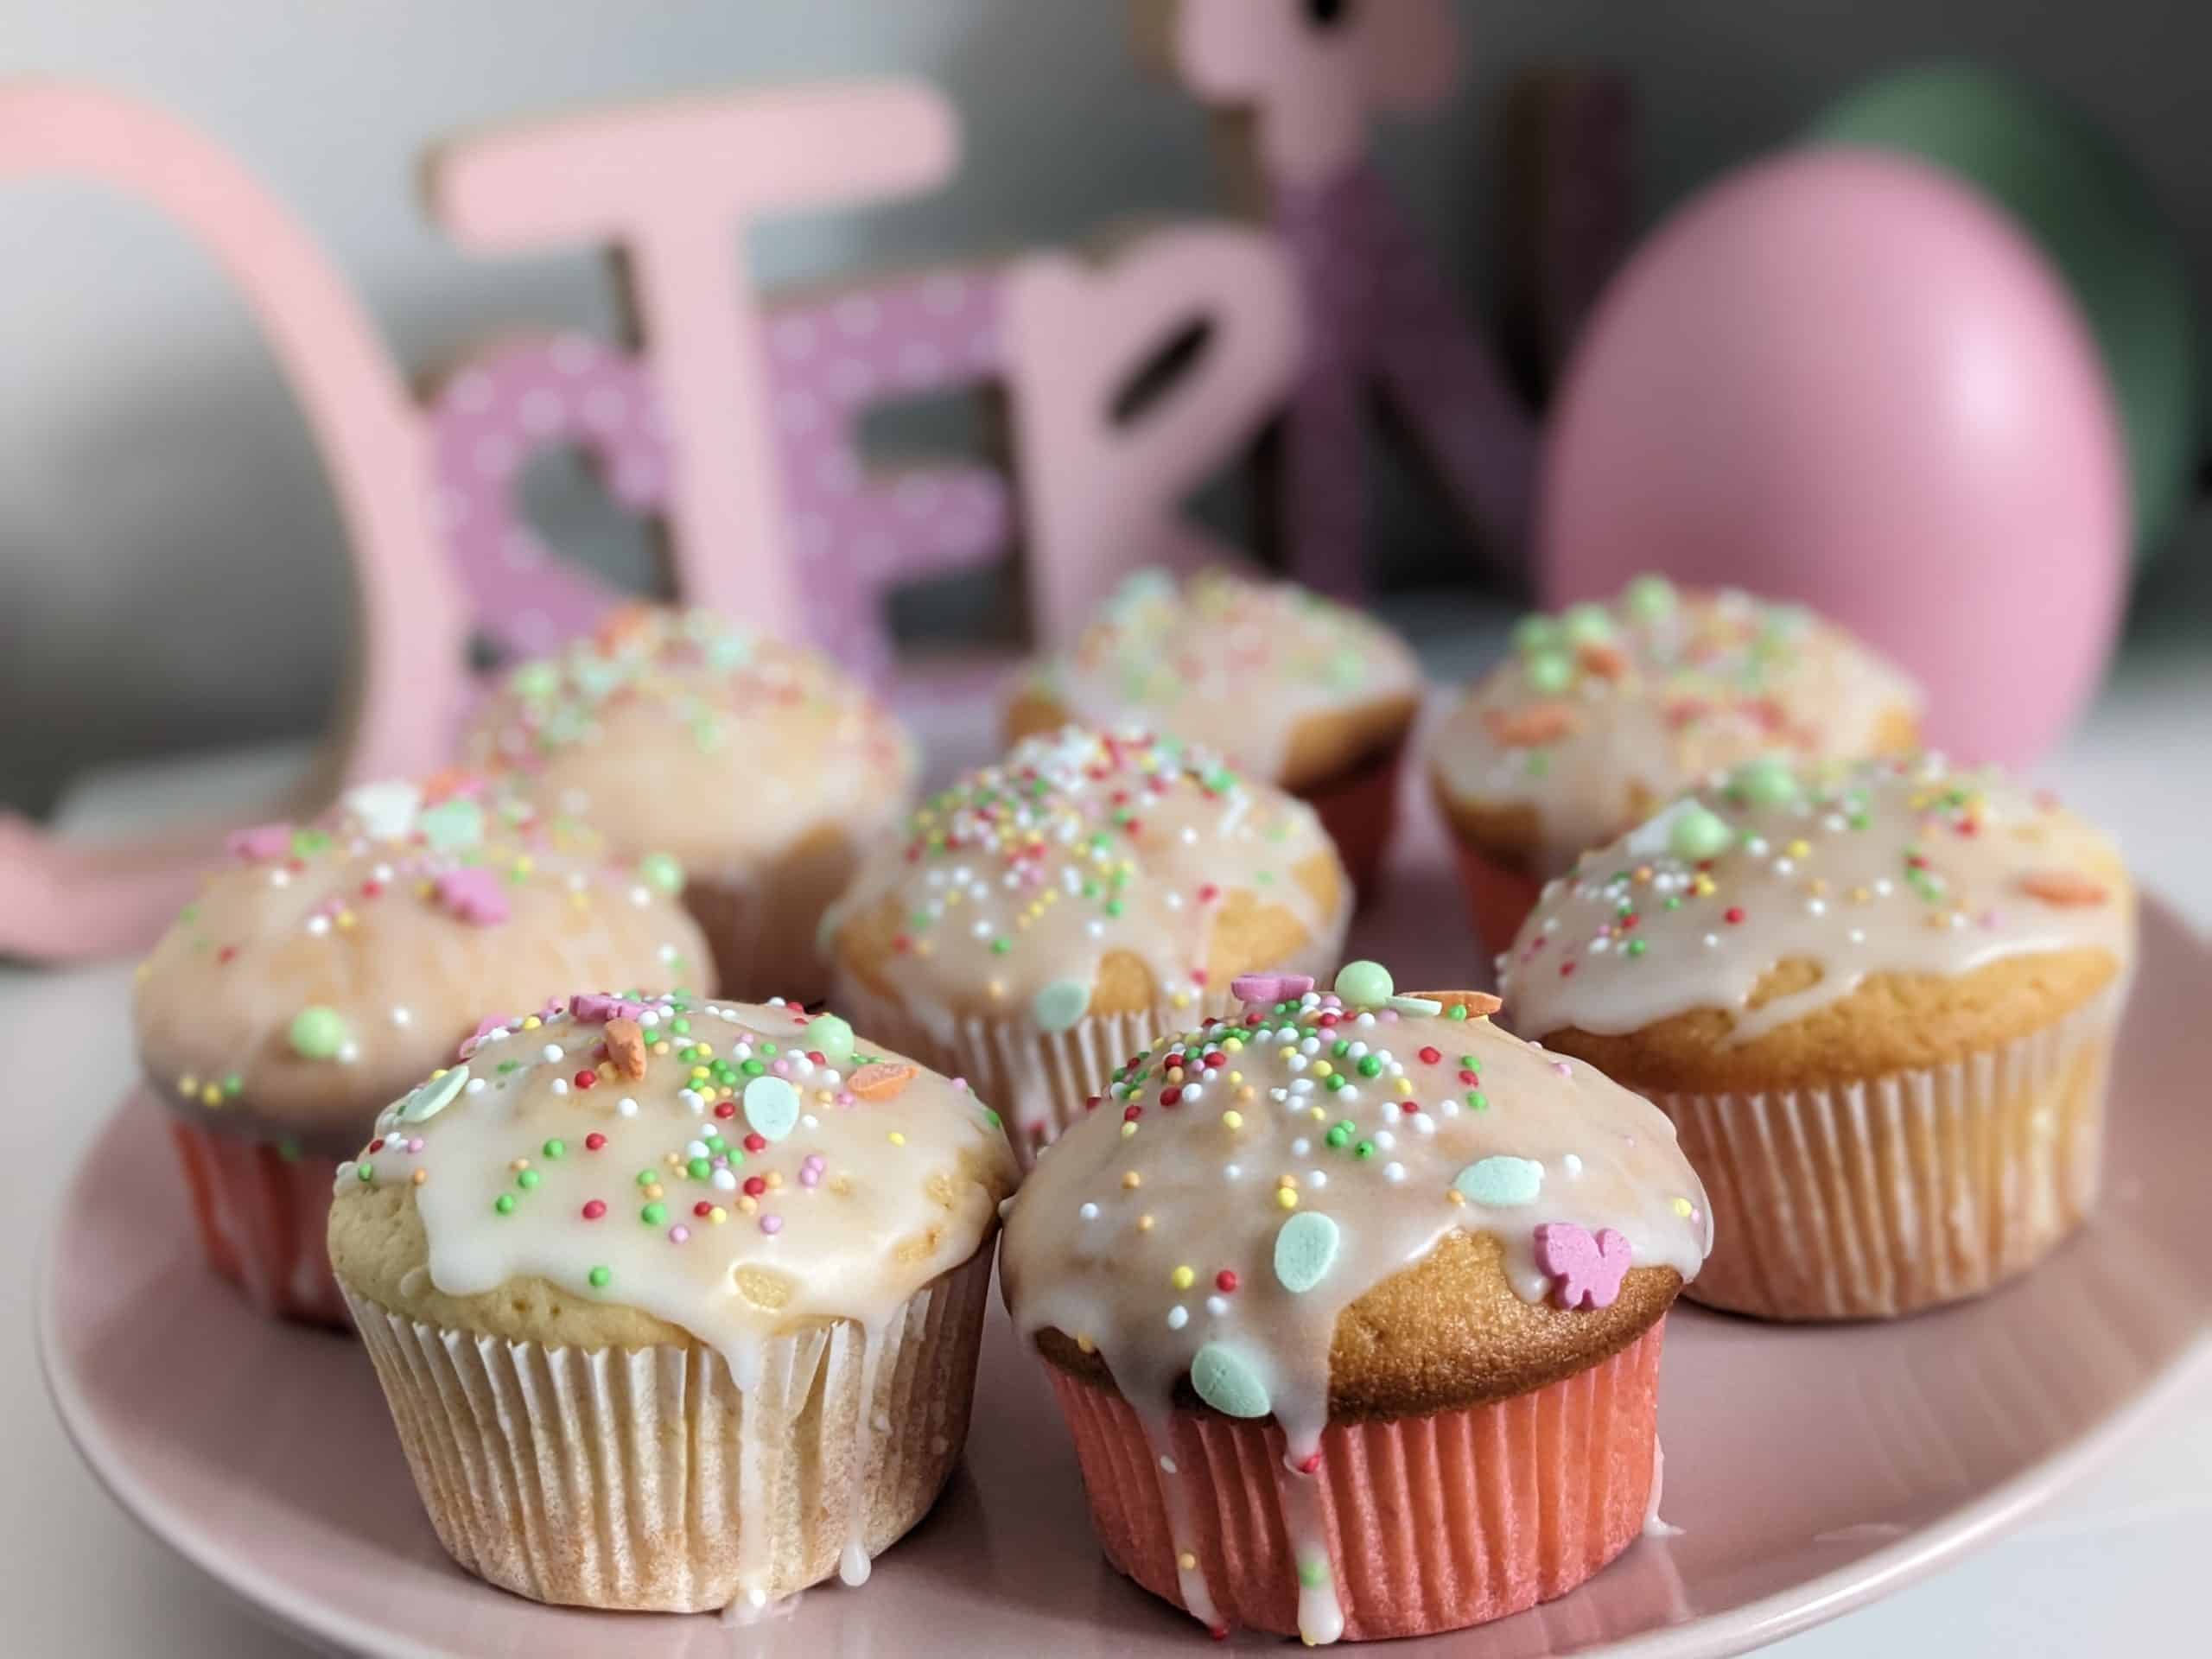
(1088, 872)
(668, 1169)
(1348, 1204)
(332, 963)
(1289, 684)
(1785, 925)
(679, 731)
(1604, 711)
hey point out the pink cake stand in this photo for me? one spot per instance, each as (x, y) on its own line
(1809, 1471)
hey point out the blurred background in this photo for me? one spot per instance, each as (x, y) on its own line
(171, 571)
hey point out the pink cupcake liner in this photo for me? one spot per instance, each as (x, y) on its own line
(1499, 897)
(1360, 812)
(1426, 1523)
(262, 1215)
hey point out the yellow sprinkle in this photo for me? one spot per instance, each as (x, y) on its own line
(655, 1190)
(1127, 1129)
(1187, 1560)
(997, 988)
(1316, 1114)
(698, 1072)
(1798, 849)
(1232, 1044)
(1455, 1195)
(210, 1094)
(345, 919)
(1861, 895)
(1144, 1224)
(897, 1138)
(440, 1072)
(1682, 1206)
(1235, 1119)
(1248, 1092)
(1130, 1179)
(1322, 1069)
(188, 1084)
(1405, 1085)
(1086, 1345)
(1182, 1278)
(1643, 875)
(1284, 1054)
(1287, 1197)
(419, 1177)
(748, 1204)
(1180, 1000)
(1174, 1074)
(661, 1047)
(775, 1179)
(718, 1214)
(1702, 886)
(531, 1022)
(1236, 1076)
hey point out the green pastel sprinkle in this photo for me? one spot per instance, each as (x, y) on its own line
(1371, 1066)
(452, 826)
(1502, 1183)
(658, 870)
(1364, 984)
(699, 1169)
(653, 1214)
(367, 1171)
(1535, 633)
(831, 1038)
(1225, 1381)
(1767, 781)
(1585, 624)
(505, 1204)
(1305, 1248)
(771, 1107)
(1698, 833)
(527, 1179)
(430, 1098)
(1060, 1004)
(1549, 671)
(1650, 597)
(599, 1277)
(317, 1033)
(556, 1147)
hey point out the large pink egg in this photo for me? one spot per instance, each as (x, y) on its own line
(1839, 378)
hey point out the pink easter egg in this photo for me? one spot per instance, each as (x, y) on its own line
(1841, 378)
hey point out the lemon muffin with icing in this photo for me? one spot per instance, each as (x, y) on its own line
(711, 1274)
(1047, 915)
(1607, 711)
(756, 764)
(1354, 1305)
(1877, 1002)
(1302, 692)
(332, 962)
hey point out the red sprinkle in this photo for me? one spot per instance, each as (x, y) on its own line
(1566, 968)
(1733, 914)
(377, 1145)
(1170, 1095)
(226, 953)
(1216, 1060)
(702, 1208)
(1208, 893)
(754, 1187)
(1130, 1114)
(585, 1079)
(594, 1141)
(725, 1108)
(1466, 1076)
(1225, 1280)
(1431, 1056)
(594, 1209)
(1311, 1465)
(756, 1142)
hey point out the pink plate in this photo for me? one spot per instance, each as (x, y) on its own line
(1809, 1471)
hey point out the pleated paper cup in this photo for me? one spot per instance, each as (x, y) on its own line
(1873, 1198)
(1431, 1523)
(652, 1479)
(756, 956)
(1360, 812)
(263, 1211)
(1037, 1080)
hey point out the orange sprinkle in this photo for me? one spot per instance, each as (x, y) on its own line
(1479, 1004)
(1531, 727)
(2067, 889)
(625, 1047)
(881, 1079)
(1606, 662)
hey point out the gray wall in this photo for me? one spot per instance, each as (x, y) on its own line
(169, 564)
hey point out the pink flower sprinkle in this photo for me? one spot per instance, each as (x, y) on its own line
(474, 895)
(261, 841)
(485, 1027)
(600, 1007)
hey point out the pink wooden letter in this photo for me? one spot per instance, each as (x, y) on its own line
(674, 184)
(1100, 497)
(61, 902)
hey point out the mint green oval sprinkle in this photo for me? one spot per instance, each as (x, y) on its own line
(432, 1097)
(1227, 1381)
(1767, 781)
(1060, 1004)
(1305, 1248)
(452, 826)
(1502, 1183)
(771, 1107)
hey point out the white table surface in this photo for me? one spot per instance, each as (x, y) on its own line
(2115, 1567)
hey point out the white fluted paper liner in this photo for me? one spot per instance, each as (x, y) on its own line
(653, 1480)
(1873, 1198)
(1039, 1080)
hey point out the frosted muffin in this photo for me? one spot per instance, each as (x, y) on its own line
(1877, 1002)
(1604, 712)
(334, 963)
(755, 763)
(1301, 692)
(1354, 1305)
(1048, 915)
(676, 1303)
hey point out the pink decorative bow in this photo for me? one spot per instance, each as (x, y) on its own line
(473, 895)
(1587, 1272)
(1269, 988)
(485, 1027)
